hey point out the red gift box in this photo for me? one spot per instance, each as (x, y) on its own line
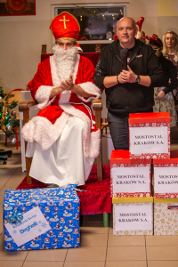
(129, 177)
(166, 177)
(149, 135)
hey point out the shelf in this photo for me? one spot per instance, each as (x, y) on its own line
(95, 41)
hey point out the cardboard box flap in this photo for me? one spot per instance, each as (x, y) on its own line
(165, 200)
(172, 160)
(123, 157)
(116, 200)
(15, 197)
(149, 117)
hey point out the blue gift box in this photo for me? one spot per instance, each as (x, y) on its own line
(41, 219)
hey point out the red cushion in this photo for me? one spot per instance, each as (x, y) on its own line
(95, 197)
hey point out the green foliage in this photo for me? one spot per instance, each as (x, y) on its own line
(8, 120)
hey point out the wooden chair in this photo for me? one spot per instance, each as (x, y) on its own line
(97, 108)
(96, 105)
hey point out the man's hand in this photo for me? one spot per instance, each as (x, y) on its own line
(161, 95)
(127, 76)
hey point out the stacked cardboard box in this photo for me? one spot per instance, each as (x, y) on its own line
(131, 173)
(166, 195)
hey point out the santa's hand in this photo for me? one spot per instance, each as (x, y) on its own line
(67, 84)
(56, 91)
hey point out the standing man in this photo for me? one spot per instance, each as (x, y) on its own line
(63, 139)
(128, 89)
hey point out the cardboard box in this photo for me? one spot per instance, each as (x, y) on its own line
(166, 177)
(149, 135)
(129, 177)
(41, 219)
(165, 216)
(132, 216)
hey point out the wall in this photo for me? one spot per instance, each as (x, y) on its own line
(22, 36)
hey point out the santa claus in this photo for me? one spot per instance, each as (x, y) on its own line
(63, 139)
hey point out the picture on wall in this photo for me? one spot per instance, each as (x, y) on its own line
(17, 7)
(97, 21)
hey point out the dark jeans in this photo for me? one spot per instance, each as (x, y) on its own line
(119, 130)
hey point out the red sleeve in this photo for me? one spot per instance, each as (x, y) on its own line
(86, 71)
(42, 77)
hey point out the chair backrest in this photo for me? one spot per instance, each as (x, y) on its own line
(26, 95)
(93, 56)
(17, 95)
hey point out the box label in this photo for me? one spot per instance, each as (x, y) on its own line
(166, 180)
(148, 140)
(32, 225)
(133, 217)
(130, 179)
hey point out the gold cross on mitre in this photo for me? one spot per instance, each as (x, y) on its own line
(64, 20)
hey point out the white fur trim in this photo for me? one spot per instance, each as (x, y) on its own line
(43, 95)
(90, 88)
(42, 131)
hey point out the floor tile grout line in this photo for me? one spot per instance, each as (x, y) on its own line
(65, 258)
(15, 169)
(25, 259)
(146, 252)
(107, 246)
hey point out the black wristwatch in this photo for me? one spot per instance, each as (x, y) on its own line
(137, 79)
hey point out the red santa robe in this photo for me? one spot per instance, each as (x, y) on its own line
(46, 129)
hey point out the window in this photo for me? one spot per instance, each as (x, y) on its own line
(97, 21)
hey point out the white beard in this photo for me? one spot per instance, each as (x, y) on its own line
(65, 61)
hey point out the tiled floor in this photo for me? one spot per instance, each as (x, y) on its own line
(99, 248)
